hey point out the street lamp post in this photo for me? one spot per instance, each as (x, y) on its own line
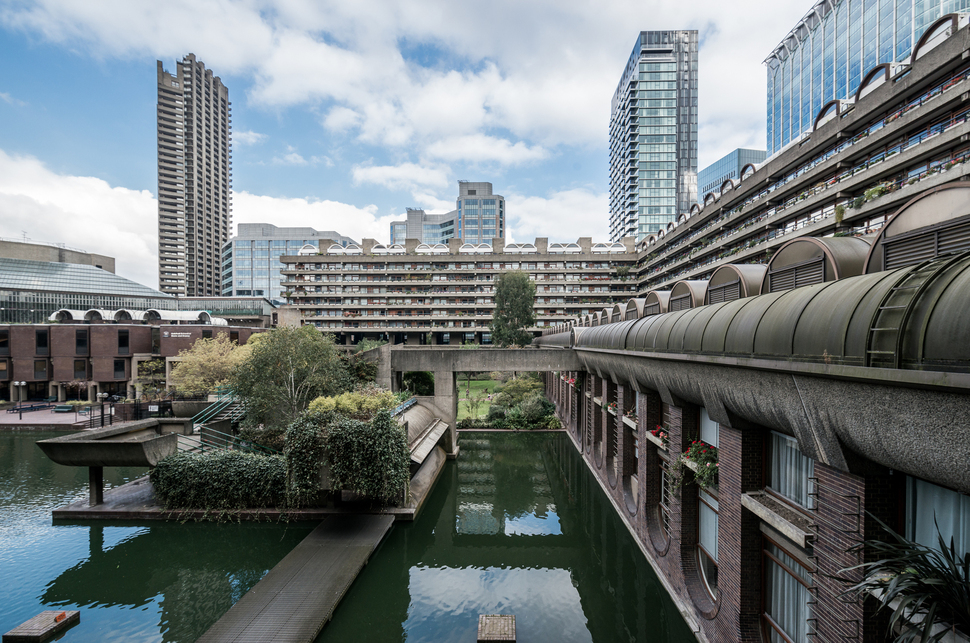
(102, 397)
(20, 398)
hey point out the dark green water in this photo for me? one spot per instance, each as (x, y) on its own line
(516, 526)
(132, 582)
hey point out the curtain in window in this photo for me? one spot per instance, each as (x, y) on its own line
(926, 501)
(786, 598)
(707, 519)
(791, 470)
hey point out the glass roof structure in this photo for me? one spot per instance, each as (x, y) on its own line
(19, 274)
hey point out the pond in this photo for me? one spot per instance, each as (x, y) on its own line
(516, 525)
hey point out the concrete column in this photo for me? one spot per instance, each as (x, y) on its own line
(446, 399)
(61, 393)
(95, 486)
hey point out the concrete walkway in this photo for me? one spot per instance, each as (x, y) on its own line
(297, 597)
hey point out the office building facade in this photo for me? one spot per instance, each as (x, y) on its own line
(831, 50)
(653, 135)
(194, 178)
(251, 260)
(479, 216)
(712, 177)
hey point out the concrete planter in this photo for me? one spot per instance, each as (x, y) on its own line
(188, 409)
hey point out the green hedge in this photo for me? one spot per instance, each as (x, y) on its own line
(370, 458)
(220, 480)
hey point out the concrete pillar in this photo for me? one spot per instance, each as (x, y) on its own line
(95, 486)
(61, 393)
(446, 399)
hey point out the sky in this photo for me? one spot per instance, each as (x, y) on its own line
(344, 114)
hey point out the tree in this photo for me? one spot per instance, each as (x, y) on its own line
(285, 370)
(151, 378)
(207, 365)
(514, 309)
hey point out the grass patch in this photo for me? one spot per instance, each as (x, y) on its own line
(477, 387)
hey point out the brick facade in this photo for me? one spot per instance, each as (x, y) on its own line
(838, 520)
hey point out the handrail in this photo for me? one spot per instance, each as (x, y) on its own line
(403, 406)
(224, 397)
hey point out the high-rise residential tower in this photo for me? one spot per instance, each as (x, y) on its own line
(194, 178)
(832, 49)
(653, 134)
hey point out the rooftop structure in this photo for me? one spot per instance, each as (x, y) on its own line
(828, 54)
(194, 178)
(653, 135)
(53, 253)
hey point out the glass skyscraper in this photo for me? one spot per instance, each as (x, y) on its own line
(653, 134)
(831, 49)
(712, 177)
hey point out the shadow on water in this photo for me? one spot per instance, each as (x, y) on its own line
(518, 526)
(157, 581)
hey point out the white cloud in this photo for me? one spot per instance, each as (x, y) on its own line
(545, 77)
(7, 98)
(563, 216)
(406, 176)
(479, 148)
(292, 157)
(82, 212)
(349, 220)
(248, 137)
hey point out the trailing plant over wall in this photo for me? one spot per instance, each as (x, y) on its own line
(931, 585)
(361, 404)
(304, 454)
(220, 480)
(371, 459)
(704, 457)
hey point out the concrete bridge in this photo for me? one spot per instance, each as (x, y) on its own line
(445, 362)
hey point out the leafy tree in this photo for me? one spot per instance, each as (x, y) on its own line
(517, 390)
(514, 309)
(367, 344)
(285, 369)
(419, 382)
(151, 378)
(207, 365)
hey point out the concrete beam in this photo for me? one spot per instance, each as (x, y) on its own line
(920, 432)
(456, 359)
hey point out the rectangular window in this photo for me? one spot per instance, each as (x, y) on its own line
(664, 506)
(929, 505)
(709, 428)
(156, 340)
(122, 342)
(707, 519)
(4, 342)
(787, 596)
(80, 369)
(41, 337)
(81, 342)
(790, 472)
(207, 334)
(234, 336)
(40, 369)
(3, 369)
(119, 369)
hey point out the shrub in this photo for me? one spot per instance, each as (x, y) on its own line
(369, 458)
(362, 403)
(536, 408)
(271, 437)
(304, 454)
(220, 480)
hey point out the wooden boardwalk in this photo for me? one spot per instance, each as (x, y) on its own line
(297, 597)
